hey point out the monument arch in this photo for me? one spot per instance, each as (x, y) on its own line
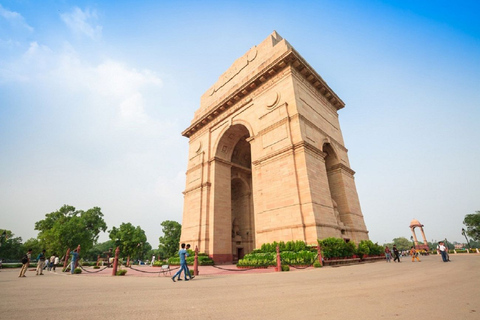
(267, 160)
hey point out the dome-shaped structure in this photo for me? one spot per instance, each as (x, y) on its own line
(415, 223)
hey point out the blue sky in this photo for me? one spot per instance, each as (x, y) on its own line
(93, 93)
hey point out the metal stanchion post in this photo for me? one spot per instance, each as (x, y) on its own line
(195, 262)
(65, 262)
(115, 261)
(279, 263)
(320, 259)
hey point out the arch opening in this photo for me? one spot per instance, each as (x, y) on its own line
(234, 148)
(336, 189)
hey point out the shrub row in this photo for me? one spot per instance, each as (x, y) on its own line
(294, 246)
(298, 253)
(203, 260)
(268, 259)
(338, 248)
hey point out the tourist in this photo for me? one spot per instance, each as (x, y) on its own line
(414, 254)
(74, 261)
(55, 262)
(396, 254)
(388, 254)
(25, 262)
(40, 262)
(443, 251)
(186, 270)
(183, 263)
(185, 266)
(153, 261)
(52, 262)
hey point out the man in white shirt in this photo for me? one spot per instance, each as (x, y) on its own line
(443, 251)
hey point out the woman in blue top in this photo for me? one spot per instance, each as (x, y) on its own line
(74, 260)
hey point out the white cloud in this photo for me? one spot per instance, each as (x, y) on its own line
(94, 138)
(109, 84)
(14, 18)
(83, 22)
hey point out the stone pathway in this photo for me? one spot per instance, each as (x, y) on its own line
(430, 289)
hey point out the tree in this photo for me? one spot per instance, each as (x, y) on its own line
(68, 228)
(472, 221)
(33, 244)
(11, 247)
(169, 243)
(130, 239)
(99, 249)
(402, 243)
(146, 250)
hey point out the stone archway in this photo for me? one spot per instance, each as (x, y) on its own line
(233, 164)
(266, 159)
(336, 189)
(243, 226)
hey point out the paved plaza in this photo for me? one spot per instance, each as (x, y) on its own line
(430, 289)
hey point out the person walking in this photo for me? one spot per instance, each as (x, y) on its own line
(388, 254)
(186, 270)
(25, 262)
(414, 254)
(183, 263)
(51, 262)
(55, 262)
(40, 263)
(396, 254)
(74, 261)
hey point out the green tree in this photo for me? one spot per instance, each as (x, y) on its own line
(68, 228)
(99, 249)
(169, 243)
(402, 243)
(33, 244)
(130, 239)
(474, 244)
(472, 221)
(145, 251)
(11, 247)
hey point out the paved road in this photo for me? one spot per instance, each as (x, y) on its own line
(430, 289)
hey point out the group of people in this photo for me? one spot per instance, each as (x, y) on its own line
(388, 254)
(441, 249)
(183, 253)
(44, 263)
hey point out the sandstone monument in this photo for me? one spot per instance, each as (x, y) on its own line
(416, 224)
(267, 161)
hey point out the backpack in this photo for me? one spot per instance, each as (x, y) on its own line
(24, 259)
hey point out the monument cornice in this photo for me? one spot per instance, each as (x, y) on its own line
(308, 146)
(230, 164)
(291, 58)
(196, 187)
(341, 166)
(323, 132)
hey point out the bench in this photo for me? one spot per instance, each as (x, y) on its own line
(165, 269)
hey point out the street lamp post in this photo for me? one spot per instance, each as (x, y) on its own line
(465, 235)
(413, 242)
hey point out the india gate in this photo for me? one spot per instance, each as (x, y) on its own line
(267, 161)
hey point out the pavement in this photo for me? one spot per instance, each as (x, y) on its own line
(430, 289)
